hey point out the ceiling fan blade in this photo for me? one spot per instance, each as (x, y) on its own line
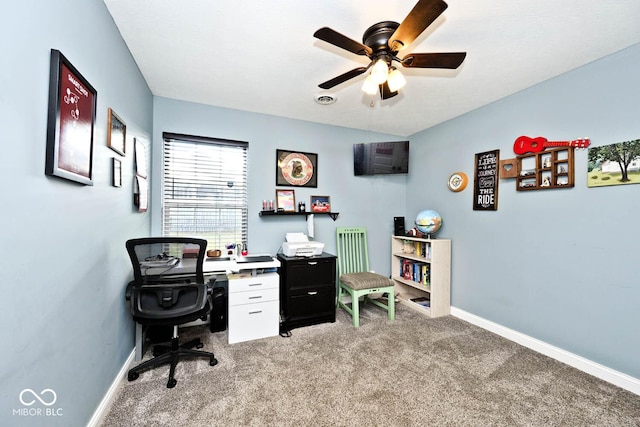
(420, 17)
(385, 92)
(335, 38)
(342, 78)
(450, 60)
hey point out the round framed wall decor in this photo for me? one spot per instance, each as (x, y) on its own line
(458, 181)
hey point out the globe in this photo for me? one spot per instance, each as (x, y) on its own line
(428, 222)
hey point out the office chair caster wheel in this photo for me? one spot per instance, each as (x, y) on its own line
(172, 383)
(213, 361)
(132, 376)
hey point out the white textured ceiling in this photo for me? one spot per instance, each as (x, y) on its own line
(261, 56)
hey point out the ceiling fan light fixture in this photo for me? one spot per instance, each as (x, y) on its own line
(379, 72)
(381, 43)
(396, 80)
(369, 86)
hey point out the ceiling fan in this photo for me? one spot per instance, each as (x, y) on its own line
(381, 43)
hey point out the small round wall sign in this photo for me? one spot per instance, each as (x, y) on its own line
(297, 169)
(458, 181)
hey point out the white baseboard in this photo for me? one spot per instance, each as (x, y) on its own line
(108, 398)
(619, 379)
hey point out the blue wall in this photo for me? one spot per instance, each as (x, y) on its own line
(557, 265)
(65, 326)
(371, 202)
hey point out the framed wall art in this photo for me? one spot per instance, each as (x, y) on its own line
(457, 182)
(485, 186)
(70, 122)
(116, 133)
(614, 164)
(320, 204)
(116, 172)
(286, 200)
(294, 168)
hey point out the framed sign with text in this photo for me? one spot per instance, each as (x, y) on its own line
(485, 185)
(71, 118)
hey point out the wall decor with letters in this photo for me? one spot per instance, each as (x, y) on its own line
(485, 186)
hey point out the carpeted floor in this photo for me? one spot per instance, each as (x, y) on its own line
(414, 371)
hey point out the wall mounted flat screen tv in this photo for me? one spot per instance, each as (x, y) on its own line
(379, 158)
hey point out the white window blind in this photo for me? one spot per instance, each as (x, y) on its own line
(205, 189)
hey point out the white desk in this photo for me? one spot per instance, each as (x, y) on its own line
(211, 266)
(187, 266)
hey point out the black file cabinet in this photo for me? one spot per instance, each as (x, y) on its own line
(307, 290)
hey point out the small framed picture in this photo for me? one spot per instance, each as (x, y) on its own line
(116, 167)
(286, 200)
(320, 204)
(116, 133)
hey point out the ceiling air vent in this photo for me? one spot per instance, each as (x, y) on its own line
(325, 99)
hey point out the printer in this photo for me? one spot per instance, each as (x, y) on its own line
(298, 244)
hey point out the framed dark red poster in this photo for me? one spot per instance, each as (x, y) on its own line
(72, 114)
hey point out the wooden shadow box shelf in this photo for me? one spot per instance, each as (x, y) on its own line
(549, 169)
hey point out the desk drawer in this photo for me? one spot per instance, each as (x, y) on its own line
(252, 283)
(318, 302)
(253, 321)
(310, 273)
(252, 297)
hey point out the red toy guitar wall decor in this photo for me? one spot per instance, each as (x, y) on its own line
(525, 144)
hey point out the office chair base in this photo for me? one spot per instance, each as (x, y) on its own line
(159, 349)
(172, 355)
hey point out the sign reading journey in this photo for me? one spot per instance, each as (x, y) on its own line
(485, 187)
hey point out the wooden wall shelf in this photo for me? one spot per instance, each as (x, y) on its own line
(332, 215)
(549, 169)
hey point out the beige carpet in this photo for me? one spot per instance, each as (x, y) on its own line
(414, 371)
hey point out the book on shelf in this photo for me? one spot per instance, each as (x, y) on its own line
(406, 269)
(415, 271)
(422, 249)
(425, 277)
(423, 301)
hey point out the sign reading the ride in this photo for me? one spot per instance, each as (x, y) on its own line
(485, 186)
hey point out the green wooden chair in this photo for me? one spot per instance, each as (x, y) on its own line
(354, 276)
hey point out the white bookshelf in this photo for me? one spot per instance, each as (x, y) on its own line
(421, 268)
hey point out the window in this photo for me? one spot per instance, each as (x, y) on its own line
(204, 190)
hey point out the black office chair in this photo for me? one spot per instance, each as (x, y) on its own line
(168, 290)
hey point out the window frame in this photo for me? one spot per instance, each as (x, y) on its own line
(204, 207)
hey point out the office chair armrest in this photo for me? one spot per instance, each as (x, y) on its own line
(129, 291)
